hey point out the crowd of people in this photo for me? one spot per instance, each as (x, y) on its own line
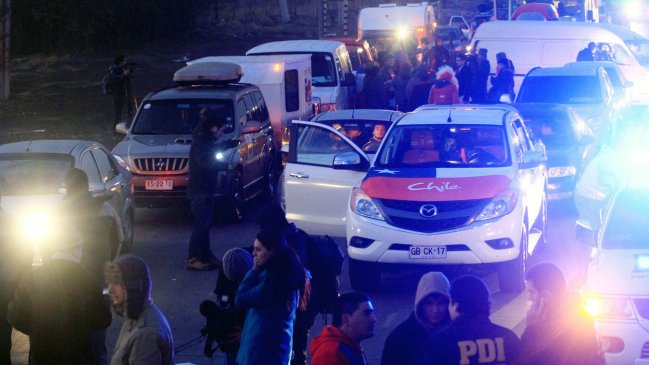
(436, 75)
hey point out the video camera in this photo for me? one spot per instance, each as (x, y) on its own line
(222, 320)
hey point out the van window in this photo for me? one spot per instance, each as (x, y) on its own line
(523, 53)
(323, 70)
(559, 52)
(292, 90)
(639, 47)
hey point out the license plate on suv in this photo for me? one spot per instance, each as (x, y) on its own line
(159, 185)
(427, 252)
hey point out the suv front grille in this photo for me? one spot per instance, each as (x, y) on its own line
(161, 164)
(450, 214)
(644, 352)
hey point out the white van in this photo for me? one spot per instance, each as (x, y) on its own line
(390, 23)
(331, 69)
(284, 81)
(532, 44)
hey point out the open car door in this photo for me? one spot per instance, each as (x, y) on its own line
(322, 167)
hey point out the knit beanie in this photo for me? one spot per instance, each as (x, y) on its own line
(236, 263)
(132, 272)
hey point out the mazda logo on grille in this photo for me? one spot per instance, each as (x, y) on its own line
(428, 210)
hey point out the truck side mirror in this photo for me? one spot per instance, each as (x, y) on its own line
(122, 128)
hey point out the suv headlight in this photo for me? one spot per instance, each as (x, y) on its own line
(608, 307)
(362, 204)
(503, 204)
(122, 162)
(562, 171)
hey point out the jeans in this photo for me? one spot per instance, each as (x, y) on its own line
(202, 205)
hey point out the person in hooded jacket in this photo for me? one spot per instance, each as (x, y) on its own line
(145, 337)
(373, 86)
(270, 293)
(418, 87)
(404, 345)
(502, 83)
(204, 169)
(444, 90)
(60, 304)
(273, 216)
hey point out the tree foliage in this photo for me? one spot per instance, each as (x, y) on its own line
(72, 25)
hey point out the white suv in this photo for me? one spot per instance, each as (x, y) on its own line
(449, 185)
(618, 277)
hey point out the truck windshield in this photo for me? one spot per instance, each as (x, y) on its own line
(627, 225)
(560, 89)
(323, 70)
(640, 49)
(181, 116)
(451, 146)
(33, 175)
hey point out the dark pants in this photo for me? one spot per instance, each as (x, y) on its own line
(203, 208)
(118, 107)
(6, 293)
(303, 323)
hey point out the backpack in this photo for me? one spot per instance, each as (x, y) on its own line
(326, 264)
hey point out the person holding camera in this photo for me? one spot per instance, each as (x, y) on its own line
(224, 321)
(118, 84)
(270, 294)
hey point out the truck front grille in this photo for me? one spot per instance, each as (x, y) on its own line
(161, 164)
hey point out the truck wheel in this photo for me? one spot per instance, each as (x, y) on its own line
(364, 276)
(128, 226)
(236, 204)
(511, 274)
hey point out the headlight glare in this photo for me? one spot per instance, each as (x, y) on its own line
(503, 204)
(608, 307)
(562, 171)
(362, 204)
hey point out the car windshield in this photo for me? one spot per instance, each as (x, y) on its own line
(445, 146)
(554, 130)
(180, 116)
(366, 134)
(628, 222)
(640, 49)
(447, 34)
(33, 174)
(561, 90)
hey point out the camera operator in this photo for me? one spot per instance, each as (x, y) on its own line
(224, 322)
(120, 75)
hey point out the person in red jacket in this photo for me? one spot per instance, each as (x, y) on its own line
(339, 343)
(444, 91)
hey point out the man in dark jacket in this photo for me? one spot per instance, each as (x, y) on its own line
(464, 78)
(15, 259)
(471, 338)
(119, 74)
(502, 83)
(558, 330)
(60, 304)
(480, 69)
(145, 337)
(353, 322)
(588, 53)
(406, 343)
(203, 174)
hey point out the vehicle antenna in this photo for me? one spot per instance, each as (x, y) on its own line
(30, 143)
(449, 120)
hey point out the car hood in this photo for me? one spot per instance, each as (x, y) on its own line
(613, 272)
(142, 145)
(563, 156)
(430, 184)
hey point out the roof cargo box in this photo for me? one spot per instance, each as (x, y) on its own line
(208, 73)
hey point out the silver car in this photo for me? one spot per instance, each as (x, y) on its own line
(32, 175)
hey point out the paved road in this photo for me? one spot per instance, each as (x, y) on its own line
(161, 238)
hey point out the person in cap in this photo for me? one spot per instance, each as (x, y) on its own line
(471, 338)
(480, 70)
(145, 337)
(235, 265)
(59, 304)
(405, 343)
(202, 187)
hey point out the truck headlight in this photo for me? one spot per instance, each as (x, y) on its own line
(122, 162)
(36, 225)
(503, 204)
(362, 204)
(562, 171)
(608, 307)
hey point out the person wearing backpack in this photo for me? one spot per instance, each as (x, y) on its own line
(117, 83)
(315, 254)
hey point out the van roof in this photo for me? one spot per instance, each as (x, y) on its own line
(389, 17)
(296, 46)
(285, 58)
(564, 71)
(527, 29)
(478, 114)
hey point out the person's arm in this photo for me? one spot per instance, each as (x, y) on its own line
(254, 291)
(146, 349)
